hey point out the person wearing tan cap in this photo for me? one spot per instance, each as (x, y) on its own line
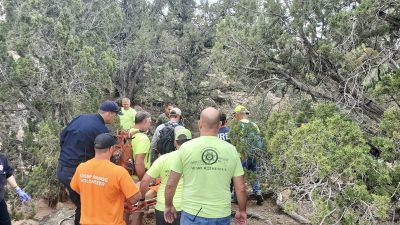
(161, 168)
(163, 137)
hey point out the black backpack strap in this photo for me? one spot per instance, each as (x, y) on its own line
(132, 164)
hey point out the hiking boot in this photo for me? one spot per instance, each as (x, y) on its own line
(259, 199)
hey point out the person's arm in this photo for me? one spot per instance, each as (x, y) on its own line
(128, 187)
(144, 184)
(134, 199)
(153, 172)
(171, 187)
(12, 182)
(169, 211)
(22, 194)
(240, 188)
(139, 165)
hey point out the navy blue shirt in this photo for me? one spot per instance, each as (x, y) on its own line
(223, 134)
(77, 139)
(5, 172)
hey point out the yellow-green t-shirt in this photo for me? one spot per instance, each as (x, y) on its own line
(207, 164)
(127, 120)
(162, 168)
(248, 121)
(141, 145)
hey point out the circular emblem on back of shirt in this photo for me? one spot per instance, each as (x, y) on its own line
(209, 156)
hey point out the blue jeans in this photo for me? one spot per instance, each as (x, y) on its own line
(189, 219)
(251, 165)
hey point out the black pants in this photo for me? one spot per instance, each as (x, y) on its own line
(64, 175)
(4, 216)
(160, 218)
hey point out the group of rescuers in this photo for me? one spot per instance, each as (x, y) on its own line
(197, 179)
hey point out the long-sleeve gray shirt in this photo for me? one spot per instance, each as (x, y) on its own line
(156, 137)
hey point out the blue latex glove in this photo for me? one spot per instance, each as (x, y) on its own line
(22, 195)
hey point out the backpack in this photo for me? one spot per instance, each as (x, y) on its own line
(123, 152)
(165, 143)
(252, 137)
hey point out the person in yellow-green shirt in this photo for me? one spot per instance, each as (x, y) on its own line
(207, 164)
(255, 142)
(127, 120)
(141, 155)
(161, 168)
(141, 143)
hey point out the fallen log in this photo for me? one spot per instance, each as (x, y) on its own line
(280, 200)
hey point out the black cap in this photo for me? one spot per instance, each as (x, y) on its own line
(104, 141)
(110, 106)
(222, 117)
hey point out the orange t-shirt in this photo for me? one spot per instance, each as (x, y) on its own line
(103, 187)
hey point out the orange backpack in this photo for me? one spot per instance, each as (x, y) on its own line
(123, 152)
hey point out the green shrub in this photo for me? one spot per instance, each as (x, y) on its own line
(326, 163)
(44, 146)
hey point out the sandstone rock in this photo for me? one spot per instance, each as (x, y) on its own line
(64, 216)
(25, 222)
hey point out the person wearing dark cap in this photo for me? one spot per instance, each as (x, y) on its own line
(103, 186)
(161, 168)
(77, 145)
(223, 130)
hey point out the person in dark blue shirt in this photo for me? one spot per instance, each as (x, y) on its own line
(77, 145)
(6, 176)
(223, 130)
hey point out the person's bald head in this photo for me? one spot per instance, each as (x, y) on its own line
(209, 120)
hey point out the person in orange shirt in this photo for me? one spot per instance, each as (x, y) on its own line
(103, 186)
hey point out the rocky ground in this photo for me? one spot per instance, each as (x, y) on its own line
(268, 214)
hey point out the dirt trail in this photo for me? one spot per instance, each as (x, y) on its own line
(268, 214)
